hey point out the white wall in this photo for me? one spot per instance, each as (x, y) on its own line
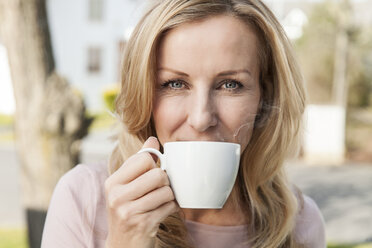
(73, 33)
(324, 139)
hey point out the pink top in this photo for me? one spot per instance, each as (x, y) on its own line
(77, 217)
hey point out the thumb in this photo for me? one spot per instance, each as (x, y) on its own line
(152, 142)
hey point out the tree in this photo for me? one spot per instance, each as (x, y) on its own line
(340, 86)
(50, 119)
(335, 56)
(316, 51)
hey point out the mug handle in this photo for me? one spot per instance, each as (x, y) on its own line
(158, 154)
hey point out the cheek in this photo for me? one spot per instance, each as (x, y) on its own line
(240, 121)
(167, 115)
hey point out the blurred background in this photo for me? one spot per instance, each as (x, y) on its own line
(60, 67)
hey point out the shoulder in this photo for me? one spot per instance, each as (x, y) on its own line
(86, 172)
(80, 186)
(83, 184)
(83, 176)
(77, 208)
(310, 228)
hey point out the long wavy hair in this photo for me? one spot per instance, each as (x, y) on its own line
(262, 190)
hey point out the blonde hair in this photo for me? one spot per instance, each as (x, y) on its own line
(262, 189)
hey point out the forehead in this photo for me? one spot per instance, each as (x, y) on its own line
(222, 41)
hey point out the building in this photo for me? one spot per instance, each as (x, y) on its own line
(87, 39)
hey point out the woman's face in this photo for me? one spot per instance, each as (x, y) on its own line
(207, 85)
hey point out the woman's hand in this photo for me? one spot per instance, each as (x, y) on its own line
(138, 198)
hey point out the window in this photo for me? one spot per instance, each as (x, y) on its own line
(94, 59)
(95, 10)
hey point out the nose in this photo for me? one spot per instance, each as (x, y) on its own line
(202, 112)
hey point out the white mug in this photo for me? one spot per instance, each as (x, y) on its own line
(201, 173)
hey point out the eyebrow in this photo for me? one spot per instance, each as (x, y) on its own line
(223, 73)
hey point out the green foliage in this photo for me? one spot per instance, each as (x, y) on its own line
(13, 238)
(6, 120)
(367, 245)
(361, 90)
(359, 134)
(360, 73)
(109, 96)
(102, 120)
(6, 128)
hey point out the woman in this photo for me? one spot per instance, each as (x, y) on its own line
(220, 70)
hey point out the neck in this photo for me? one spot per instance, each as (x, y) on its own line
(231, 214)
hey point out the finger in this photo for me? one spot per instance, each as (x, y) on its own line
(147, 222)
(164, 211)
(158, 215)
(152, 142)
(146, 183)
(135, 166)
(153, 200)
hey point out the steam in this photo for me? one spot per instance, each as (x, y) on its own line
(247, 125)
(257, 120)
